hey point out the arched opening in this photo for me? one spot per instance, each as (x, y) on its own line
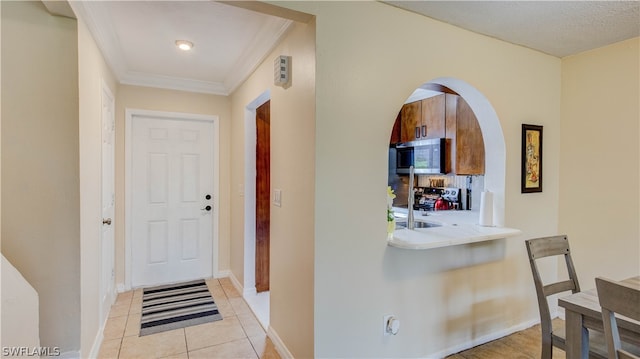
(494, 171)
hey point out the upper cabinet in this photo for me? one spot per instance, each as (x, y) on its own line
(467, 144)
(421, 120)
(433, 117)
(395, 133)
(410, 121)
(444, 116)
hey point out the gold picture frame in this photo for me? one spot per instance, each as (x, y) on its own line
(531, 179)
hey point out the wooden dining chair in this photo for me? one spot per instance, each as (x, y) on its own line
(556, 246)
(617, 297)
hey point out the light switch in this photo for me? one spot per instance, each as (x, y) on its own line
(277, 197)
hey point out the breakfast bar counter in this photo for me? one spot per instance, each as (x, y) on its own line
(446, 228)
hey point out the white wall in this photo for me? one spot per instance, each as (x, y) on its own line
(92, 71)
(19, 309)
(600, 156)
(292, 171)
(40, 175)
(370, 57)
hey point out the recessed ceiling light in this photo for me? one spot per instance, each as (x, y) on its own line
(184, 45)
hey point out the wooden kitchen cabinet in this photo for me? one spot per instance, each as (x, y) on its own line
(424, 119)
(467, 143)
(433, 117)
(396, 136)
(444, 116)
(410, 121)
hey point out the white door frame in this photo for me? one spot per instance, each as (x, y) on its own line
(130, 114)
(250, 140)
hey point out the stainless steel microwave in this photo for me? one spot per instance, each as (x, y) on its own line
(426, 156)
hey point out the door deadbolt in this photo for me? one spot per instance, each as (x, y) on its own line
(207, 196)
(106, 221)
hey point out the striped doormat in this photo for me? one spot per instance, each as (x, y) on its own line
(176, 306)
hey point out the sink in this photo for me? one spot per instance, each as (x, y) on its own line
(418, 224)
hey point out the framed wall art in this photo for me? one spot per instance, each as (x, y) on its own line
(531, 158)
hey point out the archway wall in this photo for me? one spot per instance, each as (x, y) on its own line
(369, 59)
(494, 142)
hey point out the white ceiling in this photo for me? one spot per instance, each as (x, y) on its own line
(558, 28)
(138, 38)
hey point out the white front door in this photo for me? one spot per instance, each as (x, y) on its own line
(172, 184)
(107, 254)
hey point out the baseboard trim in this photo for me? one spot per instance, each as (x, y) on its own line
(483, 339)
(222, 274)
(97, 342)
(99, 339)
(249, 292)
(236, 283)
(279, 344)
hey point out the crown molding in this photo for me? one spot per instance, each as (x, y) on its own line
(173, 83)
(107, 41)
(257, 51)
(96, 16)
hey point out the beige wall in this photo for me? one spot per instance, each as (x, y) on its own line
(600, 157)
(370, 57)
(292, 171)
(147, 98)
(333, 277)
(40, 175)
(93, 72)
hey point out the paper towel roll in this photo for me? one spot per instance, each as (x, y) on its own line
(486, 209)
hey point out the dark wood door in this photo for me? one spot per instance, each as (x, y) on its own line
(263, 198)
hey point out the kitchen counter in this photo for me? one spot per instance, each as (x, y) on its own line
(453, 228)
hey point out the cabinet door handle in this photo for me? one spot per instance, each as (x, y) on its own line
(424, 131)
(417, 132)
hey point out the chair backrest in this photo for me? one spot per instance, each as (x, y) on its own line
(621, 298)
(546, 247)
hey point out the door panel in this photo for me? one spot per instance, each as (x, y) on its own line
(107, 248)
(172, 172)
(189, 234)
(263, 198)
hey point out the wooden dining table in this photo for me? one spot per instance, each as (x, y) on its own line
(583, 312)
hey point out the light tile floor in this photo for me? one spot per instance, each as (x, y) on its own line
(237, 335)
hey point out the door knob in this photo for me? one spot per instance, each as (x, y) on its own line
(106, 221)
(207, 208)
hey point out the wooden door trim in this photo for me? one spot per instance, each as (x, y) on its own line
(130, 114)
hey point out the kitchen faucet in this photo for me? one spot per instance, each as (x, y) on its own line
(410, 219)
